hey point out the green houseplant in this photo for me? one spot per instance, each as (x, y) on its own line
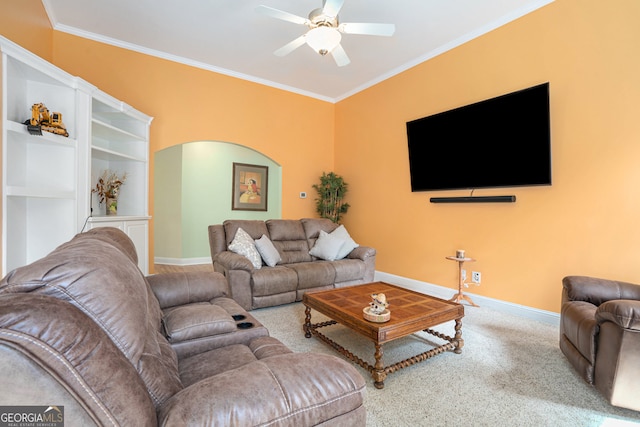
(331, 191)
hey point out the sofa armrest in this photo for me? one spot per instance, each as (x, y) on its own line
(597, 291)
(172, 289)
(233, 261)
(362, 252)
(287, 389)
(624, 313)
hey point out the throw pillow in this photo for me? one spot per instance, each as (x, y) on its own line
(327, 246)
(349, 244)
(269, 253)
(244, 245)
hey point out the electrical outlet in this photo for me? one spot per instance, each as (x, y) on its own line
(464, 274)
(476, 277)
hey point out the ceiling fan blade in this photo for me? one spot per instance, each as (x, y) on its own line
(340, 56)
(280, 14)
(367, 29)
(332, 7)
(290, 47)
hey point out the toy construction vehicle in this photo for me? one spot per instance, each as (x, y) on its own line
(41, 120)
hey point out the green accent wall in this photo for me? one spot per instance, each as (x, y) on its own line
(193, 189)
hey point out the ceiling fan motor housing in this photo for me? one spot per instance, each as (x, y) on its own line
(319, 19)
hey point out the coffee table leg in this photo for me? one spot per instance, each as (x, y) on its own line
(458, 337)
(378, 372)
(307, 322)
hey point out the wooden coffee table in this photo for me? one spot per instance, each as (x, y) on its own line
(410, 312)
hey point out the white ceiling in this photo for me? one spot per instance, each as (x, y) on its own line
(230, 37)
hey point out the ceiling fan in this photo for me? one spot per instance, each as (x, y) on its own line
(325, 30)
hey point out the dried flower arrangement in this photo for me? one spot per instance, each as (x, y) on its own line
(108, 185)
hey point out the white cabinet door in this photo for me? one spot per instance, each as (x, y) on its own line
(138, 231)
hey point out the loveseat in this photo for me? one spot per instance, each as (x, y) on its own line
(600, 336)
(290, 257)
(83, 329)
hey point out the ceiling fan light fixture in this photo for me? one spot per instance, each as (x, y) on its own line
(323, 39)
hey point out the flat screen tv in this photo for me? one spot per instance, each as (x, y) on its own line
(499, 142)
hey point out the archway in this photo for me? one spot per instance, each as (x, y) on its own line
(193, 189)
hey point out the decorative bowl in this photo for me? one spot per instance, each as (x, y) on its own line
(377, 318)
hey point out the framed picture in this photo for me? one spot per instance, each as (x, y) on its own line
(250, 187)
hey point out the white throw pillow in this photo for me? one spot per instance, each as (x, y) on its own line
(244, 245)
(349, 243)
(327, 246)
(269, 253)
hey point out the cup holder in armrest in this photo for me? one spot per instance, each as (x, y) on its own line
(245, 325)
(238, 317)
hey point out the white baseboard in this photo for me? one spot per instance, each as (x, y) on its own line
(182, 261)
(446, 293)
(422, 287)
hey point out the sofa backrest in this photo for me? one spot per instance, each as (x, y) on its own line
(96, 272)
(51, 352)
(255, 229)
(313, 226)
(292, 238)
(289, 239)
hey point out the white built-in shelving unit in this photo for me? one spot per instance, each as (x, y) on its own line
(47, 179)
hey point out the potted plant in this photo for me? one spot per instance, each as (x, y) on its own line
(331, 191)
(108, 188)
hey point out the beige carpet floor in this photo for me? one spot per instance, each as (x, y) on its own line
(510, 373)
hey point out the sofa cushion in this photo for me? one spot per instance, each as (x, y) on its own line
(327, 247)
(273, 280)
(268, 252)
(314, 274)
(283, 391)
(195, 321)
(219, 360)
(244, 245)
(289, 239)
(214, 362)
(104, 282)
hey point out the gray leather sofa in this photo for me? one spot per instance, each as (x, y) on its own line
(600, 336)
(84, 329)
(297, 271)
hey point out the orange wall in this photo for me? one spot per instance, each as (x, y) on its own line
(190, 104)
(584, 224)
(25, 22)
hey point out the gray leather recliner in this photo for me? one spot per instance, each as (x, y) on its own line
(84, 329)
(600, 335)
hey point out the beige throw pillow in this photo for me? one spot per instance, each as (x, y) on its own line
(244, 245)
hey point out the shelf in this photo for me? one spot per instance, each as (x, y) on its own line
(45, 138)
(47, 180)
(105, 130)
(17, 191)
(108, 155)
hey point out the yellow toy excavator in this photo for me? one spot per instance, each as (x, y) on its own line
(41, 120)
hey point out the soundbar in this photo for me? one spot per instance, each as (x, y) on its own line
(474, 199)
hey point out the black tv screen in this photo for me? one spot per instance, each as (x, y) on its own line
(500, 142)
